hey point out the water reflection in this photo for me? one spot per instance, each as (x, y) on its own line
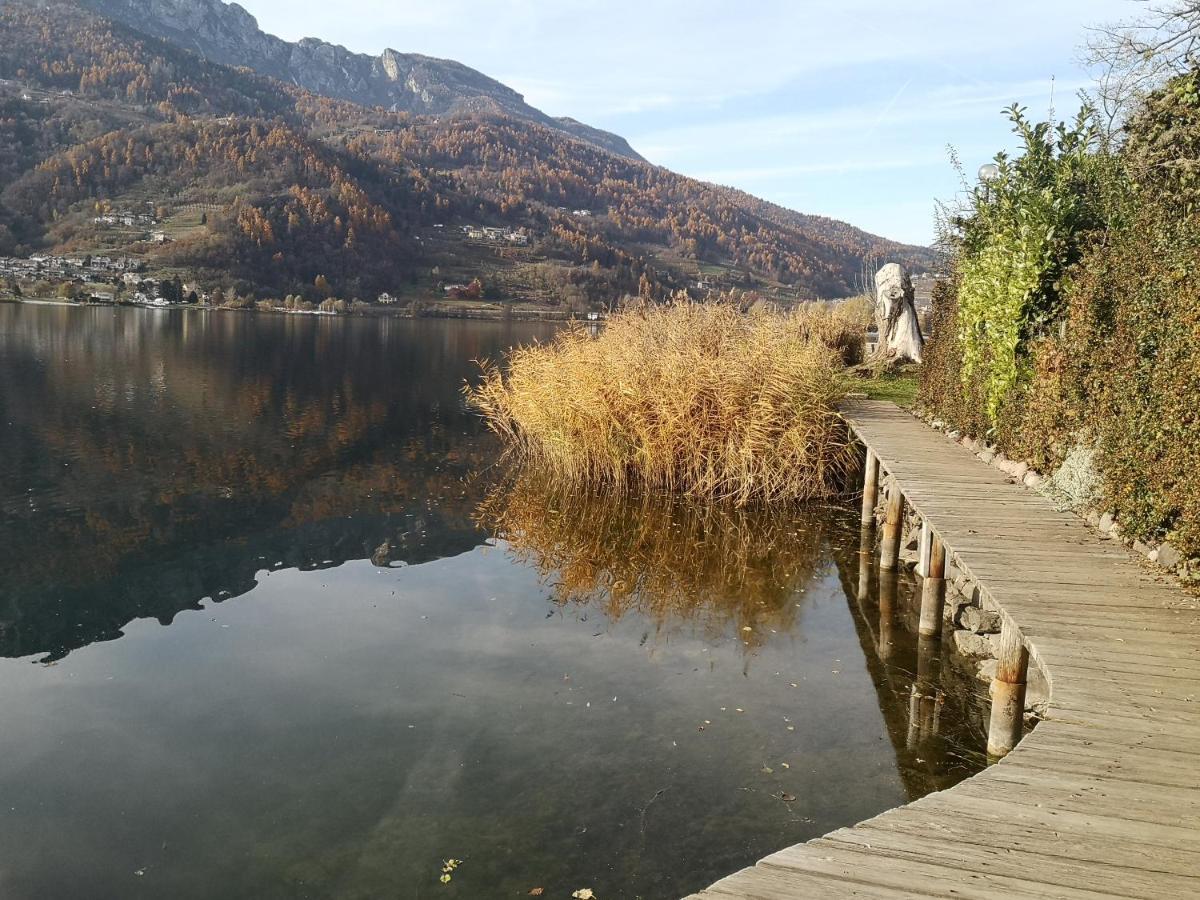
(660, 557)
(934, 706)
(581, 705)
(150, 460)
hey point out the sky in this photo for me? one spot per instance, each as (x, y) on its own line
(844, 109)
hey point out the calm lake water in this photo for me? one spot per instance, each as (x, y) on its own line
(275, 624)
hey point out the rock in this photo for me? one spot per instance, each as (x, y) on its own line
(987, 670)
(980, 621)
(993, 641)
(1141, 548)
(955, 603)
(973, 645)
(954, 435)
(987, 455)
(1106, 523)
(1016, 469)
(1093, 518)
(971, 444)
(1033, 479)
(1168, 556)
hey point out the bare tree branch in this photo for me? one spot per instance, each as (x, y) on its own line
(1136, 56)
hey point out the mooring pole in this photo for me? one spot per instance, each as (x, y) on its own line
(1008, 693)
(893, 525)
(933, 588)
(925, 697)
(888, 584)
(923, 549)
(866, 558)
(870, 488)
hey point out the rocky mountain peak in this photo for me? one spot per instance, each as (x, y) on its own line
(408, 82)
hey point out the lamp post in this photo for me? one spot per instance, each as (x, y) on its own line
(988, 173)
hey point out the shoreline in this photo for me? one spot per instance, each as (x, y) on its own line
(477, 313)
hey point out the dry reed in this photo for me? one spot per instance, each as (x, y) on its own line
(692, 398)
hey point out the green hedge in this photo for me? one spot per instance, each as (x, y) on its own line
(1116, 363)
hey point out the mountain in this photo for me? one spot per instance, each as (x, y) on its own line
(401, 82)
(117, 143)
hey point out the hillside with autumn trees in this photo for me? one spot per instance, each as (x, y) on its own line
(96, 118)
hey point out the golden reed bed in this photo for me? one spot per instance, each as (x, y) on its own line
(700, 399)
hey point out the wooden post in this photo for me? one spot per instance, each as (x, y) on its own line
(870, 488)
(893, 526)
(924, 545)
(1008, 693)
(888, 583)
(933, 588)
(925, 699)
(866, 558)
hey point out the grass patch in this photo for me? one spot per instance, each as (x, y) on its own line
(900, 388)
(691, 398)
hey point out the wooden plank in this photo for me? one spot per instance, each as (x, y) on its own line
(1102, 799)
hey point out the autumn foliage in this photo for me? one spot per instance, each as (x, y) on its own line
(692, 398)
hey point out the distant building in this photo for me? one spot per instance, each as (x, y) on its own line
(385, 298)
(160, 237)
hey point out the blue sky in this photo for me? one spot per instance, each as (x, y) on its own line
(841, 109)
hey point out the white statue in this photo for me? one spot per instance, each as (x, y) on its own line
(896, 317)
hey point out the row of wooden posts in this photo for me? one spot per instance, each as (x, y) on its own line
(1008, 687)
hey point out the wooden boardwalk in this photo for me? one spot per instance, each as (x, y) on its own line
(1102, 799)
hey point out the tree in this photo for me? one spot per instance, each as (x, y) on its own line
(1137, 56)
(321, 283)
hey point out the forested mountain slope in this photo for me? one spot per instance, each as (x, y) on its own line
(265, 185)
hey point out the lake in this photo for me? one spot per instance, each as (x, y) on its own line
(276, 621)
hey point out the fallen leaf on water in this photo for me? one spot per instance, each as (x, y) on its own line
(536, 892)
(785, 765)
(786, 798)
(584, 894)
(445, 879)
(791, 728)
(767, 770)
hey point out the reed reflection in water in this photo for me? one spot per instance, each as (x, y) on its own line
(663, 557)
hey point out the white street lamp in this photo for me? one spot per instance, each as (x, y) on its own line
(989, 172)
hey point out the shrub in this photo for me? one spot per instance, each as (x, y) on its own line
(1023, 231)
(1110, 361)
(697, 398)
